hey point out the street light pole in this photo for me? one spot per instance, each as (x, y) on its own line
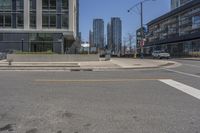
(22, 45)
(142, 31)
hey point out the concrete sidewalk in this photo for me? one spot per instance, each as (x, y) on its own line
(115, 63)
(124, 63)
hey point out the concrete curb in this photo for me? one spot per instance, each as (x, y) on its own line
(79, 68)
(71, 69)
(190, 59)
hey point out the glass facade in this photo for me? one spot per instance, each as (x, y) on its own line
(98, 33)
(183, 23)
(32, 13)
(55, 14)
(177, 33)
(177, 3)
(41, 42)
(11, 14)
(18, 21)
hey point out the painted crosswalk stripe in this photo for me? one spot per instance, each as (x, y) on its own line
(182, 87)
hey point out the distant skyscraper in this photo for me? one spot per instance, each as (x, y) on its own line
(98, 33)
(116, 35)
(109, 36)
(177, 3)
(91, 40)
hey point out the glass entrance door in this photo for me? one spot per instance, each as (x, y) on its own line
(41, 46)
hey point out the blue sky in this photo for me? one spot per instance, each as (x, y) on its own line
(105, 9)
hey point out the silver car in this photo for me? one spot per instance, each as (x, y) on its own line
(160, 55)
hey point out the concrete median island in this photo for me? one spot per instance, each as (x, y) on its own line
(77, 65)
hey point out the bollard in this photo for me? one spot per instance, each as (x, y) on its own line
(10, 62)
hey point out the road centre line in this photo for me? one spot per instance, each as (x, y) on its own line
(183, 73)
(99, 80)
(182, 87)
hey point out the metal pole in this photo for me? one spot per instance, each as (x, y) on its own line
(22, 45)
(130, 45)
(142, 33)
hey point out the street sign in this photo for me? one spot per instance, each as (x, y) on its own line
(142, 43)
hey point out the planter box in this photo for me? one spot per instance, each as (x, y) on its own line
(51, 58)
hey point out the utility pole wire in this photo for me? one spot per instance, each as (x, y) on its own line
(136, 5)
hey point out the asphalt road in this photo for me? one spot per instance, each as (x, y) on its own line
(129, 101)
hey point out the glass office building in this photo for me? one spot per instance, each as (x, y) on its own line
(98, 34)
(177, 3)
(37, 25)
(116, 35)
(177, 32)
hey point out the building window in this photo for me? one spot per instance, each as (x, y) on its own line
(55, 15)
(52, 4)
(6, 13)
(65, 4)
(32, 13)
(195, 22)
(45, 20)
(20, 20)
(19, 4)
(45, 4)
(1, 20)
(65, 14)
(8, 20)
(53, 21)
(33, 20)
(6, 4)
(49, 4)
(65, 20)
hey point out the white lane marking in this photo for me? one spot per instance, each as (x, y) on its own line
(192, 65)
(182, 87)
(183, 73)
(35, 71)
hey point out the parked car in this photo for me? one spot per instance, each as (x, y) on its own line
(160, 55)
